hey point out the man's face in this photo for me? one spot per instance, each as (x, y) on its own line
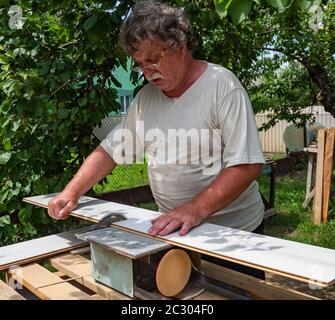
(163, 67)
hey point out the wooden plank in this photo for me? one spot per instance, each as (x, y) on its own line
(59, 274)
(38, 249)
(328, 171)
(317, 206)
(309, 188)
(46, 285)
(260, 289)
(8, 293)
(287, 258)
(76, 266)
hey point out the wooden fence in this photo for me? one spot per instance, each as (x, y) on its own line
(272, 139)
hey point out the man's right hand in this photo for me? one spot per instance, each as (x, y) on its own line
(60, 207)
(97, 165)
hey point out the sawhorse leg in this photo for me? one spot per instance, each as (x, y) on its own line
(309, 187)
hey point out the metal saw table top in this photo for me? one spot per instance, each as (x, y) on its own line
(124, 242)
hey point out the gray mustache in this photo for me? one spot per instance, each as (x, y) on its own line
(155, 76)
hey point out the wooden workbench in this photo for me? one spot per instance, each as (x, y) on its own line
(71, 280)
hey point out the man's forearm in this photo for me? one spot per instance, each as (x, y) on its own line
(96, 167)
(230, 183)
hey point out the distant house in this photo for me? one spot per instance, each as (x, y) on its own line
(125, 97)
(126, 92)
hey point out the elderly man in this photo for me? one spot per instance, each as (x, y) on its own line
(189, 99)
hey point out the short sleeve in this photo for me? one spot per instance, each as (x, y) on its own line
(238, 128)
(123, 143)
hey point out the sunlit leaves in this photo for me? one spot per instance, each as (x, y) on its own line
(308, 5)
(222, 7)
(54, 75)
(280, 5)
(4, 157)
(239, 10)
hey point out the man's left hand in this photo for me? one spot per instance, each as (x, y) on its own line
(184, 217)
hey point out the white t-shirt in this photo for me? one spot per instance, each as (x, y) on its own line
(188, 140)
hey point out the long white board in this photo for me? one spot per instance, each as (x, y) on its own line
(36, 249)
(292, 259)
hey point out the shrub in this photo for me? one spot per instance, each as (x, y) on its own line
(55, 87)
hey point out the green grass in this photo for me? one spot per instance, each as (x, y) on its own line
(275, 156)
(124, 177)
(293, 222)
(149, 206)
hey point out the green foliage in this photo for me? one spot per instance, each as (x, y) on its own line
(284, 93)
(293, 64)
(239, 10)
(282, 51)
(53, 92)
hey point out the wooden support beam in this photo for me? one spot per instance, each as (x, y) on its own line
(309, 185)
(47, 286)
(260, 289)
(318, 194)
(8, 293)
(328, 171)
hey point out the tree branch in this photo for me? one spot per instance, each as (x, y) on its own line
(67, 44)
(282, 52)
(319, 75)
(67, 83)
(62, 86)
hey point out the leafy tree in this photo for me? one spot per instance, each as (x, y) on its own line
(307, 56)
(55, 77)
(257, 38)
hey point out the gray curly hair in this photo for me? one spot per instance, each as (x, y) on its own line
(156, 20)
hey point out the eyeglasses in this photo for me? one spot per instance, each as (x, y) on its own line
(152, 67)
